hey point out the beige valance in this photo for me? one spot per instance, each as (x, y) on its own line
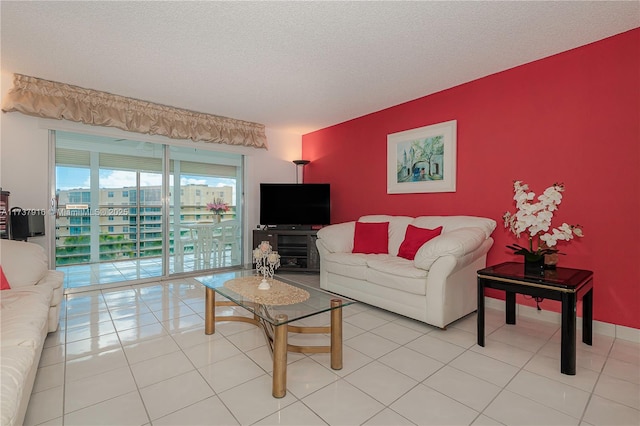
(50, 99)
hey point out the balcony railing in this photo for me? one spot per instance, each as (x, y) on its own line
(137, 234)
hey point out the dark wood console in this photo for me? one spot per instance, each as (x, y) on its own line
(297, 248)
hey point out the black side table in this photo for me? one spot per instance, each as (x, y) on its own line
(564, 284)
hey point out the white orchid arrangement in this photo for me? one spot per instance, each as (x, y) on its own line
(534, 218)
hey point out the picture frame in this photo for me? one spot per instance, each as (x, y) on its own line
(423, 159)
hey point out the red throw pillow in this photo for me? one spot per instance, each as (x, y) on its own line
(414, 238)
(371, 238)
(4, 284)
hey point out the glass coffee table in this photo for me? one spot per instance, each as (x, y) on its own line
(274, 310)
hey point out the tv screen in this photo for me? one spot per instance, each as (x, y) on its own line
(295, 204)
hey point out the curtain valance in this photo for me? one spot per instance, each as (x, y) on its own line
(50, 99)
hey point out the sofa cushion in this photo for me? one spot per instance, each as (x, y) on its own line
(449, 223)
(4, 284)
(20, 299)
(346, 264)
(399, 274)
(414, 239)
(397, 266)
(23, 263)
(397, 228)
(14, 372)
(338, 238)
(456, 243)
(371, 237)
(351, 265)
(24, 316)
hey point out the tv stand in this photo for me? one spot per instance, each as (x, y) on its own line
(297, 247)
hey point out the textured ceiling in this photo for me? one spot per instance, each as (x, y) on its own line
(295, 66)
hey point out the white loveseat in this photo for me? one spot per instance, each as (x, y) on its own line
(28, 311)
(437, 287)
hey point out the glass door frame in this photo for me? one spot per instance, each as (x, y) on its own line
(241, 214)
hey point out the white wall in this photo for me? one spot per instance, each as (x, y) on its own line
(24, 153)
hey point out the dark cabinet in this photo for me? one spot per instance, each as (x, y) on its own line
(4, 214)
(297, 248)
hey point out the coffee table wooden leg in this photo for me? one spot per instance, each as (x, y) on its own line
(336, 334)
(280, 337)
(209, 311)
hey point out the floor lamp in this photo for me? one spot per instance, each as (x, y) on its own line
(299, 163)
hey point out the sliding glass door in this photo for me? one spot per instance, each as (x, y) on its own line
(111, 218)
(203, 238)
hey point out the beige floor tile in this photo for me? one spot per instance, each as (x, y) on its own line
(97, 388)
(425, 406)
(210, 411)
(174, 394)
(124, 410)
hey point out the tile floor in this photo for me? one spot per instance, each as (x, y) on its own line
(92, 274)
(76, 276)
(138, 355)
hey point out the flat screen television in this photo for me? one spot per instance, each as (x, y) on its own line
(294, 204)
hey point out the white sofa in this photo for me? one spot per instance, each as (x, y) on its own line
(28, 311)
(438, 287)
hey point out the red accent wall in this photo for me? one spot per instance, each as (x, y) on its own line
(572, 118)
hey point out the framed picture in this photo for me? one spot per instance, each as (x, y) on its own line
(422, 159)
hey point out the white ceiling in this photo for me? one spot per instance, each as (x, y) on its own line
(295, 66)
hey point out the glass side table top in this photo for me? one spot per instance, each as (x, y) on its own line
(558, 277)
(317, 302)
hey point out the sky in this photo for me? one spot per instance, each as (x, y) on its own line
(76, 177)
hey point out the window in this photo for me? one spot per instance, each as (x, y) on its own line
(130, 180)
(79, 220)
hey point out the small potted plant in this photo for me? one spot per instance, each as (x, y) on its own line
(218, 207)
(533, 218)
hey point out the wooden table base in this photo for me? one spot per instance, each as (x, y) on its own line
(277, 336)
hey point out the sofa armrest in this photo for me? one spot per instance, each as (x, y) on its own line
(338, 238)
(52, 278)
(456, 243)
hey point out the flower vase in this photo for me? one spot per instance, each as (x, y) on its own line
(551, 259)
(217, 218)
(533, 264)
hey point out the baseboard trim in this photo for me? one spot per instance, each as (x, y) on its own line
(599, 327)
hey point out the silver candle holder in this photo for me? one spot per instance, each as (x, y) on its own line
(267, 261)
